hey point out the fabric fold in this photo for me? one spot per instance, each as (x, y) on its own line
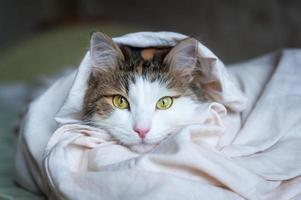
(243, 144)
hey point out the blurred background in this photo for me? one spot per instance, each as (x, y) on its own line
(39, 38)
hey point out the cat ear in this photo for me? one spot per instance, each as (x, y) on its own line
(183, 57)
(206, 72)
(105, 54)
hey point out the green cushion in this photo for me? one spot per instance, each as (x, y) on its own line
(49, 52)
(10, 101)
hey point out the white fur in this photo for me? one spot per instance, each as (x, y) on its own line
(143, 96)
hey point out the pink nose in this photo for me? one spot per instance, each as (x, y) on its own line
(141, 131)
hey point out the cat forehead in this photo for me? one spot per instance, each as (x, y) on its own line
(143, 90)
(143, 61)
(139, 64)
(146, 54)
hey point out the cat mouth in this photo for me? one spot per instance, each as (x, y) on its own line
(147, 146)
(142, 147)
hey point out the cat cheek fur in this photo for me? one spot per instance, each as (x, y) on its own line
(118, 124)
(166, 122)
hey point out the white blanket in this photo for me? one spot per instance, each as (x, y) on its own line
(225, 154)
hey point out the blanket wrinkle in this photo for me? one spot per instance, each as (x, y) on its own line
(281, 117)
(243, 145)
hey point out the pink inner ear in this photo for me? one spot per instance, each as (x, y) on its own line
(104, 52)
(183, 56)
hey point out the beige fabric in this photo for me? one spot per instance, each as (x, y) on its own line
(222, 155)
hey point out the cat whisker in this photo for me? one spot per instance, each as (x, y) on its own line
(169, 132)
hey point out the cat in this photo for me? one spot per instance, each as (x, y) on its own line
(142, 95)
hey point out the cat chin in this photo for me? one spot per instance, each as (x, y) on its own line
(142, 147)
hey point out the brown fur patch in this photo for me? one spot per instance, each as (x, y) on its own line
(148, 54)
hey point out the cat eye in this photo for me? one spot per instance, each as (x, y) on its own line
(164, 103)
(120, 102)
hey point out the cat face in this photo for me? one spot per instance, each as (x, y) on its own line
(141, 96)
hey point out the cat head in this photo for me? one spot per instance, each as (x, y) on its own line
(141, 96)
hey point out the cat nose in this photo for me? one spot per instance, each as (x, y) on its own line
(141, 131)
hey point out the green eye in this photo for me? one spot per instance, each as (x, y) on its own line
(164, 103)
(120, 102)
